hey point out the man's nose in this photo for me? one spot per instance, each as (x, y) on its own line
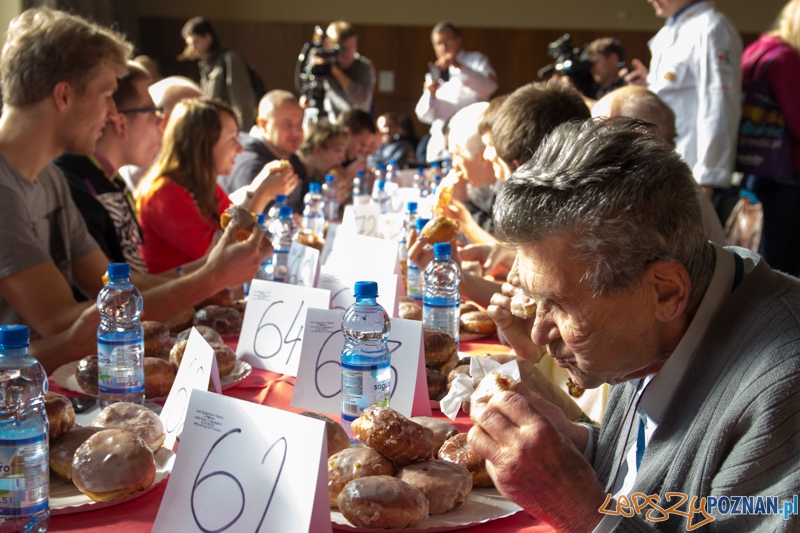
(544, 329)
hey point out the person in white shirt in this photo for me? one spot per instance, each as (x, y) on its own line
(456, 80)
(695, 70)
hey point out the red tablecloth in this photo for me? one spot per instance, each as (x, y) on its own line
(275, 390)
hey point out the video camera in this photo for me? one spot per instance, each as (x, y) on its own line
(309, 73)
(570, 62)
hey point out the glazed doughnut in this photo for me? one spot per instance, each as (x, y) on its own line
(353, 463)
(86, 374)
(112, 463)
(437, 384)
(396, 437)
(467, 307)
(440, 229)
(337, 436)
(439, 347)
(446, 485)
(245, 221)
(134, 418)
(442, 430)
(226, 357)
(156, 337)
(158, 377)
(456, 450)
(522, 306)
(224, 320)
(62, 450)
(382, 502)
(60, 413)
(477, 322)
(451, 364)
(409, 311)
(181, 321)
(207, 333)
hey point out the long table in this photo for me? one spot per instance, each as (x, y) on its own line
(275, 390)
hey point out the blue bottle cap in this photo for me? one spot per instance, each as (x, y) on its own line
(119, 270)
(393, 162)
(280, 199)
(261, 218)
(442, 249)
(436, 164)
(314, 187)
(420, 170)
(411, 207)
(360, 173)
(381, 185)
(421, 223)
(329, 178)
(15, 336)
(366, 289)
(381, 166)
(285, 211)
(437, 178)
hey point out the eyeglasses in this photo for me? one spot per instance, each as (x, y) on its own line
(158, 111)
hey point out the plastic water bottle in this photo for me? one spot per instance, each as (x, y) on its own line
(402, 246)
(272, 214)
(359, 188)
(421, 182)
(265, 270)
(283, 231)
(392, 172)
(366, 359)
(331, 196)
(415, 283)
(379, 175)
(314, 210)
(120, 339)
(382, 198)
(447, 166)
(24, 448)
(435, 170)
(437, 180)
(440, 303)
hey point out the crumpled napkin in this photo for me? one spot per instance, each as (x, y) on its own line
(464, 385)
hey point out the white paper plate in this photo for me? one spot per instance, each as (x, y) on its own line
(65, 498)
(483, 505)
(65, 376)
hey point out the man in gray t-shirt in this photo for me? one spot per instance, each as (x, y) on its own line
(352, 80)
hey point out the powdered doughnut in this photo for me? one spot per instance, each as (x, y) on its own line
(382, 502)
(60, 413)
(399, 439)
(337, 436)
(62, 450)
(134, 418)
(354, 463)
(522, 306)
(112, 463)
(442, 430)
(446, 485)
(86, 374)
(456, 450)
(156, 337)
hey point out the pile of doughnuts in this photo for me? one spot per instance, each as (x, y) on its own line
(114, 456)
(400, 477)
(441, 356)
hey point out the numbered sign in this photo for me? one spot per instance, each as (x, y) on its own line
(340, 283)
(359, 252)
(194, 372)
(361, 219)
(274, 319)
(303, 265)
(246, 467)
(318, 386)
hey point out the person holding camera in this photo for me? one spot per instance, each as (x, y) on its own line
(351, 82)
(606, 56)
(456, 80)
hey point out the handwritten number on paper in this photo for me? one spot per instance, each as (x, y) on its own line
(366, 225)
(335, 359)
(267, 345)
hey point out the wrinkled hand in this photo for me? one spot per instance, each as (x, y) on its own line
(496, 260)
(234, 263)
(635, 76)
(531, 455)
(272, 181)
(515, 330)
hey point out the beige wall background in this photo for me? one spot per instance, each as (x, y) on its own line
(748, 15)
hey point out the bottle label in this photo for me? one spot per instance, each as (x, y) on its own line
(363, 386)
(120, 365)
(414, 282)
(24, 475)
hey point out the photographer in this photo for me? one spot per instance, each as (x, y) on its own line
(606, 56)
(351, 82)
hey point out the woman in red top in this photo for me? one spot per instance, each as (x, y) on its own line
(780, 242)
(178, 201)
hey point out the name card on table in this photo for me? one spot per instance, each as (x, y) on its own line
(361, 219)
(359, 252)
(318, 386)
(330, 238)
(197, 365)
(246, 467)
(274, 319)
(340, 282)
(303, 265)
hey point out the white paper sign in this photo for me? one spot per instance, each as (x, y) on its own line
(360, 252)
(318, 385)
(246, 467)
(272, 329)
(194, 373)
(361, 219)
(341, 282)
(330, 238)
(303, 263)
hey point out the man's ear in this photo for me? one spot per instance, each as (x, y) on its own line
(63, 94)
(119, 122)
(672, 286)
(261, 122)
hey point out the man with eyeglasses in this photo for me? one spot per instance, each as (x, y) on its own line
(132, 136)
